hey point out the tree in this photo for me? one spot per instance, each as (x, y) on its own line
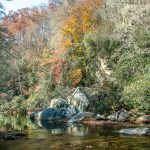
(5, 58)
(80, 21)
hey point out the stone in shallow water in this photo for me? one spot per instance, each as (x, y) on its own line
(82, 116)
(77, 117)
(8, 137)
(51, 114)
(121, 115)
(135, 131)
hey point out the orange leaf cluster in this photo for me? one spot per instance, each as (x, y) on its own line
(22, 19)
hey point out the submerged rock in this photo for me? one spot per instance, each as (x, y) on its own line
(79, 100)
(135, 131)
(121, 115)
(9, 137)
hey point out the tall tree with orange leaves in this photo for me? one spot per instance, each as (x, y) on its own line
(80, 21)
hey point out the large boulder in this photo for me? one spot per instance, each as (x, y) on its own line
(122, 115)
(54, 114)
(135, 131)
(143, 119)
(79, 100)
(50, 114)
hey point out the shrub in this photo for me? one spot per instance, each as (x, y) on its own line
(136, 95)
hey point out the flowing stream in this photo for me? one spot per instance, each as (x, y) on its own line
(50, 136)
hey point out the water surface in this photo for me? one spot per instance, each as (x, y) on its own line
(52, 136)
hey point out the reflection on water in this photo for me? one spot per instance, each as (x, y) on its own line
(62, 128)
(54, 136)
(23, 123)
(15, 123)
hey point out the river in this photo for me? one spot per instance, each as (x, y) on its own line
(50, 136)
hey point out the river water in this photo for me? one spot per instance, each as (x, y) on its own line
(48, 136)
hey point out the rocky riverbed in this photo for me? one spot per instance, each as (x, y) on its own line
(73, 110)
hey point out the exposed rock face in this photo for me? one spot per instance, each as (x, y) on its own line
(135, 131)
(121, 115)
(143, 119)
(79, 100)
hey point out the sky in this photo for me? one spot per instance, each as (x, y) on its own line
(17, 4)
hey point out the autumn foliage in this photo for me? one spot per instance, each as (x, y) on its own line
(80, 20)
(22, 19)
(51, 48)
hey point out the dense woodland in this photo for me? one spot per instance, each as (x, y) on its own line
(101, 44)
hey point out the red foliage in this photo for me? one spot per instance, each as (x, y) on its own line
(22, 19)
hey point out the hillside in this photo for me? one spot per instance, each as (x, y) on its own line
(104, 46)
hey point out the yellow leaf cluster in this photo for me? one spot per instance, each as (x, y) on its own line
(76, 76)
(79, 21)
